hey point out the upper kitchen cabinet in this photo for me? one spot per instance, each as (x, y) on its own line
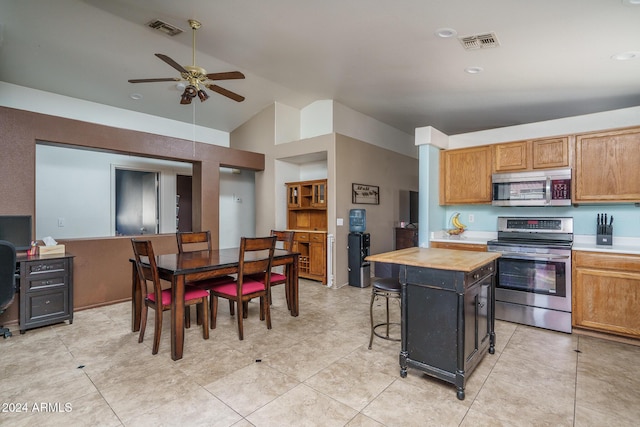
(606, 167)
(512, 156)
(307, 205)
(531, 155)
(465, 176)
(550, 153)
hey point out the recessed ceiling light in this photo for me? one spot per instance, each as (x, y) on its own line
(474, 70)
(631, 2)
(625, 56)
(135, 96)
(446, 33)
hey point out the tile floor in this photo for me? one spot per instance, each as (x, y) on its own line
(314, 370)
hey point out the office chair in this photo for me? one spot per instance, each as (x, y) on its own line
(7, 279)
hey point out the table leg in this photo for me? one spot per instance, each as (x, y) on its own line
(136, 299)
(294, 286)
(177, 317)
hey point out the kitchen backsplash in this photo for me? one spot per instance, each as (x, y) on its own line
(626, 224)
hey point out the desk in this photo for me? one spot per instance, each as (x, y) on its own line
(200, 265)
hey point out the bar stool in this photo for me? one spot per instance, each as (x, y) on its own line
(387, 287)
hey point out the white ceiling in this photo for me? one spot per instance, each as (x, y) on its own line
(379, 57)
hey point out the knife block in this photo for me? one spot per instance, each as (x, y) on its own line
(605, 236)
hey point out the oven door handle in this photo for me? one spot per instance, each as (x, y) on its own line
(517, 255)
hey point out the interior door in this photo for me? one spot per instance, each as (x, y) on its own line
(136, 202)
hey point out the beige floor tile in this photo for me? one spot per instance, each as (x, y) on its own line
(88, 410)
(350, 381)
(510, 402)
(198, 408)
(404, 404)
(302, 406)
(314, 369)
(251, 387)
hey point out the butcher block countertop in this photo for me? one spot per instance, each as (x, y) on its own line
(444, 259)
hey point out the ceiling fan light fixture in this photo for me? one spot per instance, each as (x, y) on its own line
(188, 94)
(202, 95)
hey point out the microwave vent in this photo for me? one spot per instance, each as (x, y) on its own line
(479, 41)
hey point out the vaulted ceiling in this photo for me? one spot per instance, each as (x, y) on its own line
(538, 60)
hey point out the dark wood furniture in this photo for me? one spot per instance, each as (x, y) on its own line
(245, 287)
(406, 238)
(448, 312)
(201, 265)
(46, 290)
(159, 299)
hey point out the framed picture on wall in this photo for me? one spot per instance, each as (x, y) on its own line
(365, 194)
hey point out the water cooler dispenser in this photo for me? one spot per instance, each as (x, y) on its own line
(359, 243)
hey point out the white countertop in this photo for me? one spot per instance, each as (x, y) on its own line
(623, 245)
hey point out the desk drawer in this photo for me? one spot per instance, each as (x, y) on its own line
(45, 281)
(301, 237)
(317, 237)
(45, 266)
(42, 307)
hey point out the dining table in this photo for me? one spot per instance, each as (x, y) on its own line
(181, 268)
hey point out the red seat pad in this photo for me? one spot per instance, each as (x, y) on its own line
(248, 286)
(189, 293)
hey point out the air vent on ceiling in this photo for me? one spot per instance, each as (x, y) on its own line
(479, 41)
(164, 27)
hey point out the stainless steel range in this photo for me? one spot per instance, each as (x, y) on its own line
(533, 283)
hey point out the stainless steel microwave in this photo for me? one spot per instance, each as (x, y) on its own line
(533, 188)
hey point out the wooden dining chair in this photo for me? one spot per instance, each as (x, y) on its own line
(245, 288)
(189, 241)
(159, 299)
(285, 239)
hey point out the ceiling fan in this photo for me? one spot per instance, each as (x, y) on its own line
(196, 77)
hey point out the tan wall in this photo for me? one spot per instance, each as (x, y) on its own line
(101, 268)
(348, 161)
(362, 163)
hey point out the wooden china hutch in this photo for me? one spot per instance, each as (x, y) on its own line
(307, 217)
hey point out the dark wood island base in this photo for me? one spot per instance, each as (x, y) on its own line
(447, 311)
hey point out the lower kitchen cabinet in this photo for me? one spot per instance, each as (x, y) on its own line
(312, 247)
(46, 290)
(606, 292)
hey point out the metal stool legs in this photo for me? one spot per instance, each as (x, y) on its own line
(386, 288)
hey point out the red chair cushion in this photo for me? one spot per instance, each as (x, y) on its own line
(248, 286)
(277, 277)
(189, 293)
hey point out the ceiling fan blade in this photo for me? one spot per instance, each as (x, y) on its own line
(226, 92)
(171, 62)
(230, 75)
(168, 79)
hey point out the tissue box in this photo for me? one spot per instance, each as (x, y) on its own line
(51, 250)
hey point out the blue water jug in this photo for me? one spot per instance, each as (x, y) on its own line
(357, 220)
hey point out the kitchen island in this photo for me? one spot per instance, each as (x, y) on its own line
(447, 310)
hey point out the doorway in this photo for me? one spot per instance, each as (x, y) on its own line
(136, 202)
